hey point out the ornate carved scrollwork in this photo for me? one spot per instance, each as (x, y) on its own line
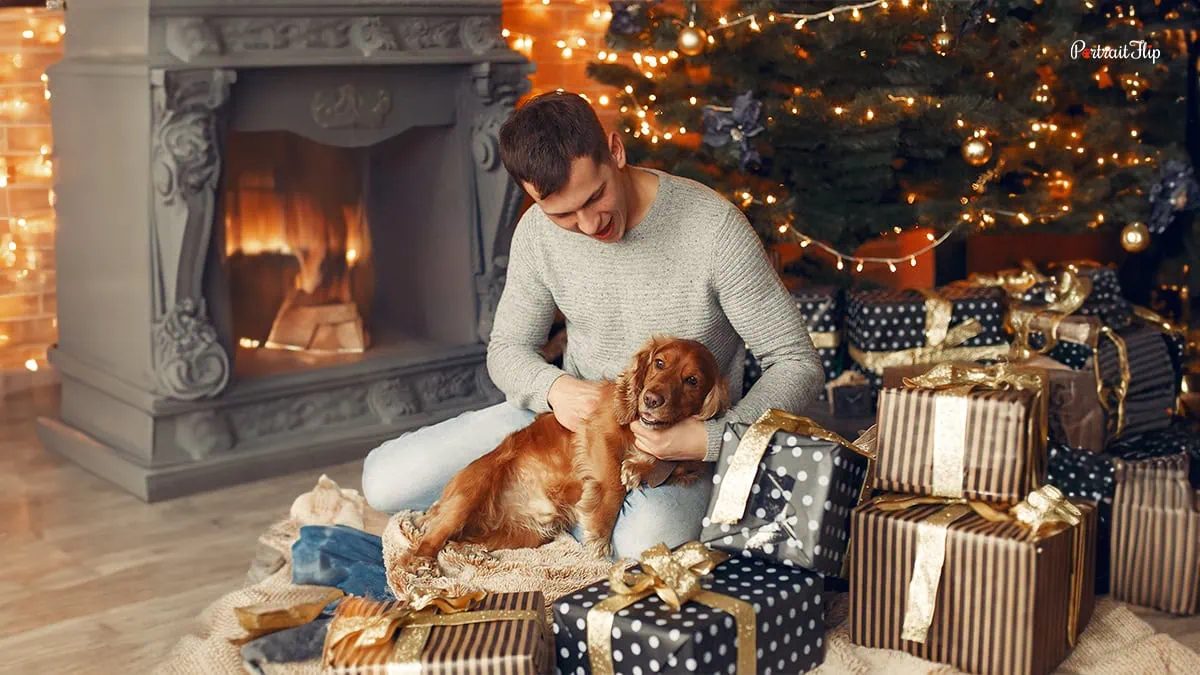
(189, 362)
(203, 433)
(348, 107)
(479, 33)
(392, 399)
(189, 37)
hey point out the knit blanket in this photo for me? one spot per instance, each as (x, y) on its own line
(1115, 642)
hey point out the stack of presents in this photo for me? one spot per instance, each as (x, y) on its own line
(1023, 460)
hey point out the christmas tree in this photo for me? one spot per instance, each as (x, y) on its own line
(834, 124)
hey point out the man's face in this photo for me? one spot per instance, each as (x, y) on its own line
(592, 202)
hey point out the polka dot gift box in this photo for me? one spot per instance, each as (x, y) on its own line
(782, 610)
(783, 490)
(891, 327)
(1105, 300)
(823, 308)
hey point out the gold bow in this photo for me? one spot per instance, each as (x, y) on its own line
(1044, 512)
(1070, 292)
(350, 634)
(942, 342)
(956, 376)
(1014, 282)
(675, 577)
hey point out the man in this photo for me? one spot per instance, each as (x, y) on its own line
(625, 253)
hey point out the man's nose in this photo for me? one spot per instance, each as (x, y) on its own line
(652, 399)
(589, 223)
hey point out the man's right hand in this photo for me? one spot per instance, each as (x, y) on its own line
(573, 400)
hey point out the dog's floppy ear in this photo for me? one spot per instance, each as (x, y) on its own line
(717, 400)
(631, 382)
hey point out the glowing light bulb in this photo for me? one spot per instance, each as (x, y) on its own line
(783, 229)
(841, 265)
(892, 266)
(912, 261)
(604, 99)
(1023, 218)
(628, 89)
(929, 236)
(870, 114)
(838, 110)
(770, 199)
(859, 267)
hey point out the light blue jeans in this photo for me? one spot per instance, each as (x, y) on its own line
(409, 472)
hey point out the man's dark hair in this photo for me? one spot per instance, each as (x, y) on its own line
(541, 139)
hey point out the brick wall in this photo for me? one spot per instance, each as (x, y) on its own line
(30, 41)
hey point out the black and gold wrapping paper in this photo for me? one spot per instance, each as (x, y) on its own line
(783, 490)
(1105, 301)
(970, 585)
(1152, 379)
(485, 634)
(748, 615)
(890, 327)
(964, 432)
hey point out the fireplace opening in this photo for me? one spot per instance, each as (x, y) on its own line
(298, 244)
(339, 253)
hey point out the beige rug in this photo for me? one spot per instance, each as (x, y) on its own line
(1115, 643)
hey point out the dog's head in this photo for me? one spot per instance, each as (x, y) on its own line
(669, 381)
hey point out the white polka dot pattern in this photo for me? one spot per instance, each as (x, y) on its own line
(800, 513)
(790, 625)
(823, 309)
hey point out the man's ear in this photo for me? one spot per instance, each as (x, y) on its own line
(631, 382)
(617, 149)
(717, 400)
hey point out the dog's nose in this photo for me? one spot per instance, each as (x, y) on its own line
(652, 400)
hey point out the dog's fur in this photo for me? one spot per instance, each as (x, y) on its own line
(544, 479)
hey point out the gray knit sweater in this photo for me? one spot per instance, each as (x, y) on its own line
(692, 268)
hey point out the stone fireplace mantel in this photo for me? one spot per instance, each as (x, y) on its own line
(153, 396)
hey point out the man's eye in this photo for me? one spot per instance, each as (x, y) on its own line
(692, 380)
(658, 363)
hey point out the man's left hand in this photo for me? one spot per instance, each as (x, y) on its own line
(682, 442)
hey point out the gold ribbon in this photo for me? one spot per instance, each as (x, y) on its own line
(1070, 292)
(675, 577)
(1044, 512)
(414, 622)
(1014, 282)
(829, 340)
(942, 343)
(952, 383)
(738, 481)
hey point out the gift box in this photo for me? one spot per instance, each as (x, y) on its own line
(975, 432)
(891, 327)
(694, 610)
(1150, 386)
(783, 490)
(980, 589)
(850, 395)
(823, 309)
(1156, 535)
(1074, 417)
(1178, 438)
(480, 633)
(1104, 301)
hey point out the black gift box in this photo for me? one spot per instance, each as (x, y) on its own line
(1081, 474)
(891, 320)
(798, 510)
(851, 400)
(651, 637)
(1104, 302)
(1152, 382)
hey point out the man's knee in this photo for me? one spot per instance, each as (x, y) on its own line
(665, 515)
(384, 486)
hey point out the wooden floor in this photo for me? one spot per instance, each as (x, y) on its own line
(94, 581)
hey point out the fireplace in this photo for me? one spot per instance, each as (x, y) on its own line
(282, 231)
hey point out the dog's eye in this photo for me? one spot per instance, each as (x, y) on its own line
(692, 380)
(658, 363)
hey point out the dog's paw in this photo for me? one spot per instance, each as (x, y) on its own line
(631, 478)
(597, 547)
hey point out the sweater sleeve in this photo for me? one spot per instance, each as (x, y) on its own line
(522, 325)
(763, 313)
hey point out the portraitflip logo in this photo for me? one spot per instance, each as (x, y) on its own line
(1134, 50)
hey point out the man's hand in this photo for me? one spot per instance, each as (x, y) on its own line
(573, 400)
(682, 442)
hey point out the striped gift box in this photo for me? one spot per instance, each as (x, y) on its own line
(1156, 535)
(987, 445)
(1152, 378)
(505, 634)
(1003, 604)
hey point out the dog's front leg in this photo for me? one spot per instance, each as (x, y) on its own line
(600, 507)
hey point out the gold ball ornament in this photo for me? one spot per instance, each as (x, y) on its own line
(1135, 237)
(692, 41)
(977, 151)
(943, 43)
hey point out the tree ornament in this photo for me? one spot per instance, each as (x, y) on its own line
(1176, 191)
(943, 41)
(692, 41)
(975, 17)
(1135, 237)
(977, 151)
(629, 17)
(735, 125)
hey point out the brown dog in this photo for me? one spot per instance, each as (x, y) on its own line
(544, 479)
